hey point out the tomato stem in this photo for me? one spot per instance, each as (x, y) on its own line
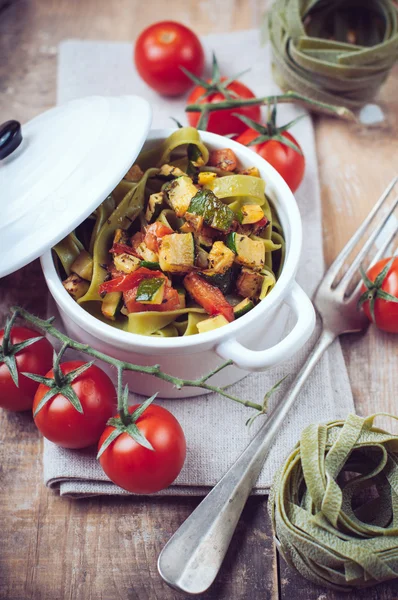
(330, 109)
(154, 370)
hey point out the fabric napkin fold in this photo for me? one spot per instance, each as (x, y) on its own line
(214, 427)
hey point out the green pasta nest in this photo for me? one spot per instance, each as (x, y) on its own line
(334, 504)
(335, 52)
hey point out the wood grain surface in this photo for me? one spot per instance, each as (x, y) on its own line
(106, 548)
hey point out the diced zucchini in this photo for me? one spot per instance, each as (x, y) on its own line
(179, 193)
(212, 323)
(134, 174)
(83, 265)
(126, 263)
(155, 201)
(111, 304)
(249, 214)
(202, 258)
(249, 253)
(154, 266)
(243, 307)
(249, 284)
(195, 156)
(206, 177)
(151, 291)
(221, 257)
(215, 213)
(76, 286)
(146, 253)
(171, 170)
(224, 281)
(177, 253)
(194, 222)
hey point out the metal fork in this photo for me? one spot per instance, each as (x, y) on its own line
(192, 558)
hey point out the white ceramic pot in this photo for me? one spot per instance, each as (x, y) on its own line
(252, 342)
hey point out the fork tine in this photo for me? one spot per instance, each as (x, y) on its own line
(339, 261)
(379, 254)
(354, 266)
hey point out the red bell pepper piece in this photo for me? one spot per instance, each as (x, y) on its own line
(208, 296)
(171, 301)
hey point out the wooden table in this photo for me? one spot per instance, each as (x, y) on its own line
(106, 548)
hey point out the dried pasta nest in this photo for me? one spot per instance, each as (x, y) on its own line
(334, 504)
(334, 51)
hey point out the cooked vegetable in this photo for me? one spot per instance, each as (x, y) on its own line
(177, 254)
(249, 284)
(126, 263)
(111, 304)
(250, 214)
(179, 194)
(243, 307)
(76, 286)
(379, 297)
(249, 253)
(183, 233)
(212, 323)
(208, 296)
(214, 212)
(151, 291)
(220, 257)
(223, 159)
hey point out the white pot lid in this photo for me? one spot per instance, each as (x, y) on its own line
(68, 160)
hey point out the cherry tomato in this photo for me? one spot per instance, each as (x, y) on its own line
(138, 469)
(289, 163)
(385, 311)
(161, 50)
(61, 423)
(36, 358)
(222, 121)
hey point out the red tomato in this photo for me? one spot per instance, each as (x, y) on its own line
(61, 423)
(222, 122)
(208, 296)
(138, 469)
(171, 301)
(159, 53)
(154, 234)
(386, 312)
(289, 163)
(36, 358)
(129, 281)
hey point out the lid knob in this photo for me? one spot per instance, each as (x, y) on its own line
(10, 137)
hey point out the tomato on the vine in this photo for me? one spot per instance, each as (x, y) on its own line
(223, 121)
(34, 358)
(287, 161)
(60, 419)
(160, 52)
(136, 467)
(379, 297)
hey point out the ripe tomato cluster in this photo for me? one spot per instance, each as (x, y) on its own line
(169, 57)
(72, 404)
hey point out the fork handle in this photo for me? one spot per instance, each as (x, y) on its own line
(192, 558)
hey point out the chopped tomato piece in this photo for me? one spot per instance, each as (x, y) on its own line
(171, 301)
(129, 281)
(208, 296)
(154, 233)
(224, 159)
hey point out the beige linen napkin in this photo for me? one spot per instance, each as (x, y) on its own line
(214, 427)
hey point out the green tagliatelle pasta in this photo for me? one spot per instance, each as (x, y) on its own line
(334, 504)
(179, 247)
(334, 52)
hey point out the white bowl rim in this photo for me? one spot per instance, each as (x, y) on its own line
(116, 337)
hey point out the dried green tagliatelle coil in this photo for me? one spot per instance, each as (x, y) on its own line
(335, 52)
(334, 504)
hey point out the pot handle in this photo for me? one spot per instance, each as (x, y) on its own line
(257, 360)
